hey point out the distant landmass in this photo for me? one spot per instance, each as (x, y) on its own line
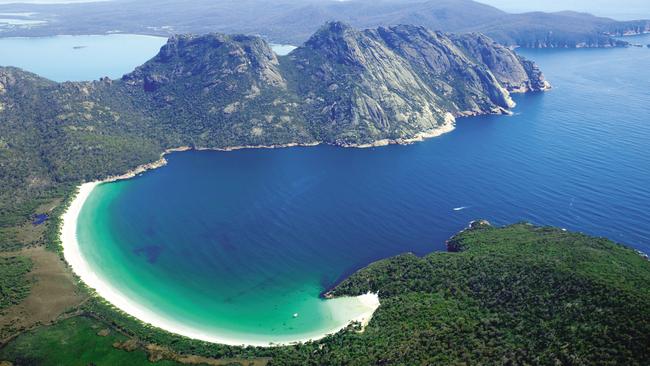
(344, 86)
(290, 21)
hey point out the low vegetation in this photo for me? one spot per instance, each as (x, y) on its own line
(76, 341)
(14, 285)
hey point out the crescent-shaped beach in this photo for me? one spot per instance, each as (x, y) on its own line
(354, 309)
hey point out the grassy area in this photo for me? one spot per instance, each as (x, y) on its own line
(53, 291)
(25, 235)
(22, 233)
(14, 285)
(85, 341)
(76, 341)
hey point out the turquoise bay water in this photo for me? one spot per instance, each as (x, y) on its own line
(282, 49)
(237, 242)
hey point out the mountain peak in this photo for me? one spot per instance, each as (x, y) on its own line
(330, 33)
(337, 41)
(335, 26)
(214, 58)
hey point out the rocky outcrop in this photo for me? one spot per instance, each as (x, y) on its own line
(454, 245)
(218, 60)
(565, 29)
(392, 83)
(357, 89)
(626, 28)
(514, 72)
(214, 56)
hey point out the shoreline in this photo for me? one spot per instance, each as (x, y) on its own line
(448, 126)
(102, 288)
(72, 254)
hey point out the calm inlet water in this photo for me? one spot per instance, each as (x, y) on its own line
(79, 58)
(236, 242)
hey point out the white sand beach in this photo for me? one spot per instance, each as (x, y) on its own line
(348, 309)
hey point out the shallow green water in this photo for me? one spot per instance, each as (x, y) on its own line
(197, 288)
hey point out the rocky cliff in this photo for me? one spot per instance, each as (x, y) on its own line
(343, 86)
(514, 72)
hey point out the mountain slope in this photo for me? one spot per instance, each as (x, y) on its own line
(391, 83)
(344, 86)
(228, 89)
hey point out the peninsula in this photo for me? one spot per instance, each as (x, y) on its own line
(344, 86)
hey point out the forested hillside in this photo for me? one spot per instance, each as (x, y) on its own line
(518, 295)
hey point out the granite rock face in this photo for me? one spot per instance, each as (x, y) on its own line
(216, 58)
(395, 82)
(514, 72)
(343, 86)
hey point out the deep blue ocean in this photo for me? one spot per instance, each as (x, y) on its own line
(576, 157)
